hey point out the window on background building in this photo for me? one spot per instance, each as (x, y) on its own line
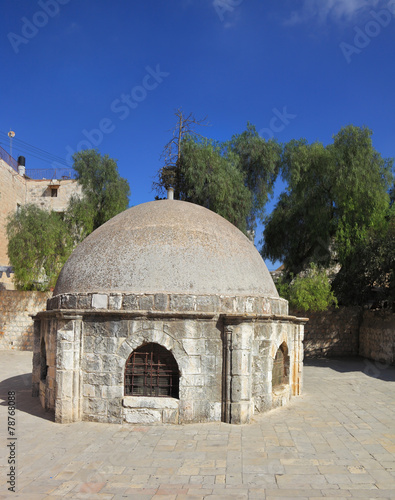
(280, 367)
(54, 192)
(151, 370)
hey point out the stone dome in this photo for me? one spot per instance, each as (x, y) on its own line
(167, 246)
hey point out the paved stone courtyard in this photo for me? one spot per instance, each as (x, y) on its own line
(335, 441)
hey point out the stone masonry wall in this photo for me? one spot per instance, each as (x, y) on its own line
(16, 325)
(12, 193)
(377, 336)
(332, 333)
(16, 190)
(39, 193)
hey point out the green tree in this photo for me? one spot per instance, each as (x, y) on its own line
(369, 271)
(213, 180)
(334, 195)
(259, 161)
(170, 174)
(39, 243)
(233, 178)
(105, 193)
(308, 292)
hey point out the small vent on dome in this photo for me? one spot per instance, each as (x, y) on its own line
(170, 194)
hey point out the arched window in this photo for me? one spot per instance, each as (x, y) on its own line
(43, 361)
(280, 367)
(151, 370)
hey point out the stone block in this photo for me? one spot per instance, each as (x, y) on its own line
(125, 350)
(241, 362)
(51, 372)
(115, 301)
(194, 347)
(69, 302)
(53, 303)
(36, 361)
(89, 390)
(88, 344)
(150, 402)
(188, 329)
(64, 384)
(185, 411)
(130, 302)
(92, 363)
(250, 306)
(161, 301)
(65, 359)
(146, 302)
(240, 305)
(112, 363)
(216, 412)
(66, 335)
(64, 411)
(99, 345)
(209, 364)
(242, 336)
(181, 303)
(99, 379)
(192, 380)
(201, 411)
(99, 301)
(241, 413)
(192, 393)
(193, 366)
(84, 301)
(241, 389)
(207, 303)
(113, 344)
(227, 304)
(95, 406)
(112, 392)
(170, 416)
(117, 328)
(142, 416)
(214, 347)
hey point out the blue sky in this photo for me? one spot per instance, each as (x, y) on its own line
(112, 73)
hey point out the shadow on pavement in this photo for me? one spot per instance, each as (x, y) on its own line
(22, 385)
(375, 369)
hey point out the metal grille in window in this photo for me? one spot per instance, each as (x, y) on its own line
(151, 370)
(279, 375)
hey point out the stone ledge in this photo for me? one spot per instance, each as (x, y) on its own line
(151, 403)
(79, 314)
(170, 302)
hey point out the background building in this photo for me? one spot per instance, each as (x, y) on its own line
(18, 188)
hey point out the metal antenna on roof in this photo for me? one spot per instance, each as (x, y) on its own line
(11, 134)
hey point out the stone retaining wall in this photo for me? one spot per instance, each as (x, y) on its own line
(334, 332)
(16, 325)
(377, 336)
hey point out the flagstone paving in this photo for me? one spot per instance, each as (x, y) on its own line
(336, 441)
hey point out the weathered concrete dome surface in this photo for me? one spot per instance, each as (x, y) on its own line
(167, 246)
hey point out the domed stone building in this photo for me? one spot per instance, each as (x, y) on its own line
(166, 313)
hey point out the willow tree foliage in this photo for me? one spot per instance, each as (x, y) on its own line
(308, 292)
(169, 175)
(214, 180)
(104, 193)
(39, 243)
(233, 178)
(334, 195)
(368, 273)
(259, 161)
